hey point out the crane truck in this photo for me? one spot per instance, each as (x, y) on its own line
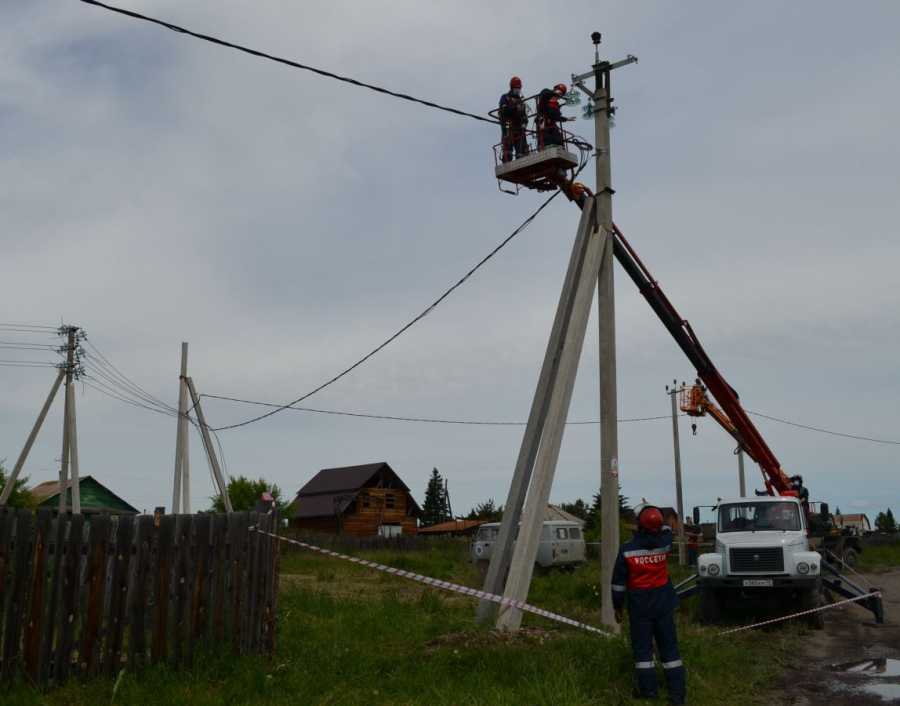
(763, 543)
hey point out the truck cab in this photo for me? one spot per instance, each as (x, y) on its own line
(762, 546)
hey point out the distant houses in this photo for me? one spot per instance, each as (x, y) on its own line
(361, 501)
(857, 524)
(95, 497)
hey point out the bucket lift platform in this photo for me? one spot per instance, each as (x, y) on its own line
(542, 170)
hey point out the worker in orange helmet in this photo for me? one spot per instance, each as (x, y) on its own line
(641, 578)
(513, 122)
(549, 116)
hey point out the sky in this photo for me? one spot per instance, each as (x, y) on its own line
(156, 189)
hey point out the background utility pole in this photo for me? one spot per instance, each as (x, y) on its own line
(181, 491)
(208, 445)
(673, 392)
(70, 441)
(741, 481)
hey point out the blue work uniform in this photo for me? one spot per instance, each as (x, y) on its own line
(641, 576)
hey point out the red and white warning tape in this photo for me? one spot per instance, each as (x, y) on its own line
(803, 612)
(445, 585)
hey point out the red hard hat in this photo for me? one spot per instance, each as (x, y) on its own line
(561, 87)
(515, 82)
(650, 519)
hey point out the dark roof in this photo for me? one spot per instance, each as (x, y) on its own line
(452, 526)
(332, 480)
(95, 497)
(331, 490)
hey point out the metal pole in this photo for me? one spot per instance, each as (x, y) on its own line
(185, 436)
(609, 440)
(29, 442)
(741, 481)
(73, 455)
(682, 558)
(210, 450)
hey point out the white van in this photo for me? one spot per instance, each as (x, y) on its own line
(562, 545)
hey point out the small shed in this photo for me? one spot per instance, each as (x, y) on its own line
(96, 498)
(361, 501)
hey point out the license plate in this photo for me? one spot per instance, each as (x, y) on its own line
(758, 583)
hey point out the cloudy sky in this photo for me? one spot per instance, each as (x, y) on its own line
(157, 189)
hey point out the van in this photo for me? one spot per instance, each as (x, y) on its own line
(562, 545)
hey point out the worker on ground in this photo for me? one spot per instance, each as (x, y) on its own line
(549, 116)
(641, 576)
(513, 122)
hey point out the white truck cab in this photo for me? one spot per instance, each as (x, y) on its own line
(762, 545)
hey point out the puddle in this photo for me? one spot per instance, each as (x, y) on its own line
(867, 675)
(881, 667)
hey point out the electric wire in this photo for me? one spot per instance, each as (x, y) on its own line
(100, 360)
(288, 62)
(825, 431)
(102, 373)
(431, 307)
(424, 420)
(98, 386)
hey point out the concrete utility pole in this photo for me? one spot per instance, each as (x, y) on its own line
(682, 558)
(181, 491)
(70, 442)
(208, 445)
(590, 268)
(742, 485)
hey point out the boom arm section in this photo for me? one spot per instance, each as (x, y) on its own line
(736, 420)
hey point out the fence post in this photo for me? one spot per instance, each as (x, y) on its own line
(18, 599)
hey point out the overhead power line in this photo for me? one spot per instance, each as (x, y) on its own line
(424, 420)
(289, 62)
(406, 326)
(825, 431)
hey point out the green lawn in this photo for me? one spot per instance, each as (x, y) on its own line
(879, 557)
(351, 636)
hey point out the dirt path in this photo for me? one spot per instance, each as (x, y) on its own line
(852, 639)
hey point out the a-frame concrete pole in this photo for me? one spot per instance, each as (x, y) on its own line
(526, 548)
(501, 555)
(29, 442)
(609, 433)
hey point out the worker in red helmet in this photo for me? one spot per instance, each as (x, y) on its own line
(549, 116)
(641, 580)
(513, 122)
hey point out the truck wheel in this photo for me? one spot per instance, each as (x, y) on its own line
(812, 598)
(710, 606)
(850, 557)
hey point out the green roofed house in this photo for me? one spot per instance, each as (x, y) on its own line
(96, 498)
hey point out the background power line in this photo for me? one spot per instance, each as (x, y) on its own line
(825, 431)
(289, 62)
(409, 324)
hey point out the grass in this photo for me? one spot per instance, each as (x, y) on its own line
(349, 636)
(879, 557)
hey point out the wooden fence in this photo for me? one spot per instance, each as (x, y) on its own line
(86, 596)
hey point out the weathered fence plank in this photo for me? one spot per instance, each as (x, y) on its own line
(162, 581)
(18, 599)
(218, 601)
(144, 542)
(90, 648)
(70, 597)
(32, 639)
(183, 525)
(118, 595)
(200, 590)
(53, 621)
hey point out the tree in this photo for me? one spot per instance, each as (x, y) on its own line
(245, 493)
(20, 497)
(837, 510)
(592, 522)
(579, 508)
(436, 507)
(885, 522)
(487, 510)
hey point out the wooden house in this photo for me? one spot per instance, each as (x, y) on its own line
(96, 498)
(361, 501)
